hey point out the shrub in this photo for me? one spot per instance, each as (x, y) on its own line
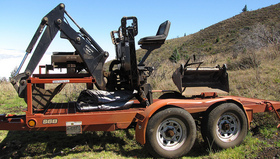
(175, 57)
(218, 39)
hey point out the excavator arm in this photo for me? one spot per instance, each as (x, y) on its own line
(90, 52)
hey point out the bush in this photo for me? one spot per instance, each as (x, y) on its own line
(218, 39)
(175, 57)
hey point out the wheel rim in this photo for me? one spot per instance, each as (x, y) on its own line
(228, 127)
(171, 134)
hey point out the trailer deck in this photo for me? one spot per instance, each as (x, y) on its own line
(56, 115)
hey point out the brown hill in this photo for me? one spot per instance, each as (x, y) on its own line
(223, 37)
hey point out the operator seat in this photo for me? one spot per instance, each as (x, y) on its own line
(160, 36)
(151, 43)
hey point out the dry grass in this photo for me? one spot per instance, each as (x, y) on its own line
(259, 82)
(7, 90)
(69, 93)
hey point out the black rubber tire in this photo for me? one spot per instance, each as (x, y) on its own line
(170, 133)
(225, 126)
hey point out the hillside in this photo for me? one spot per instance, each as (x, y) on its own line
(222, 37)
(248, 43)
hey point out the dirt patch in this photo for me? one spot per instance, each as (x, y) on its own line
(270, 152)
(264, 128)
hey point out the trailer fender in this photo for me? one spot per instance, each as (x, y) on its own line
(143, 118)
(247, 111)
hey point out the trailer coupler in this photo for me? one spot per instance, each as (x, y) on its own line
(12, 122)
(271, 108)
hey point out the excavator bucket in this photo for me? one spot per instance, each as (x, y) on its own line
(195, 80)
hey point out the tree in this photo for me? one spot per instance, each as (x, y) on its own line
(3, 79)
(13, 73)
(245, 9)
(175, 57)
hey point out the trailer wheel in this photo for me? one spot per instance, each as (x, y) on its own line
(225, 126)
(170, 133)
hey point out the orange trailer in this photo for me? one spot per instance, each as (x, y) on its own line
(166, 122)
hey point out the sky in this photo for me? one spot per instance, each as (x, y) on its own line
(19, 20)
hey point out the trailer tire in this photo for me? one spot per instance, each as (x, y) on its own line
(225, 126)
(170, 133)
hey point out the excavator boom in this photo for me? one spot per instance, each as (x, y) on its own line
(91, 53)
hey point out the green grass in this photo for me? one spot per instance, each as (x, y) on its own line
(58, 144)
(9, 100)
(248, 149)
(106, 144)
